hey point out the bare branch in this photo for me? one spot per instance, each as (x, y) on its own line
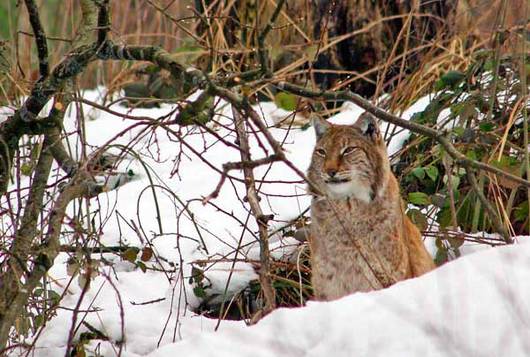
(240, 165)
(261, 219)
(40, 38)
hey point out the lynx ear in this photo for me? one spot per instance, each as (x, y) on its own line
(368, 125)
(320, 125)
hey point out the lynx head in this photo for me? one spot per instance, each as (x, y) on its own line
(349, 160)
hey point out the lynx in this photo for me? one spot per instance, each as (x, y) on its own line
(359, 196)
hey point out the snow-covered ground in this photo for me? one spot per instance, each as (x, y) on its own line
(476, 305)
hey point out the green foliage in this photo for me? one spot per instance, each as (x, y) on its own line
(200, 282)
(7, 17)
(521, 213)
(418, 218)
(419, 172)
(419, 198)
(432, 172)
(285, 101)
(130, 254)
(441, 256)
(447, 246)
(476, 119)
(138, 257)
(26, 169)
(450, 80)
(199, 292)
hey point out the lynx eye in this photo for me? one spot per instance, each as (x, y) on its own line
(348, 150)
(320, 152)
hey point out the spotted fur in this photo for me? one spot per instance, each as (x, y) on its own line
(356, 194)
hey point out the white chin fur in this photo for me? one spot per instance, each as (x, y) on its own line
(349, 189)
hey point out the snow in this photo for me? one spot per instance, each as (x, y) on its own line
(467, 305)
(475, 306)
(5, 112)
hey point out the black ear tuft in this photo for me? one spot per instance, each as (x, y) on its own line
(370, 129)
(367, 123)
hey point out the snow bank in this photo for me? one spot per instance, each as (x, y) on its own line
(478, 305)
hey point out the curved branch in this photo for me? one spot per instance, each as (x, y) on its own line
(188, 77)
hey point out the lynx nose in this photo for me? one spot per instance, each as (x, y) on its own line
(332, 173)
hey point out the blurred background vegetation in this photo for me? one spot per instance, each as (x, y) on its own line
(372, 47)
